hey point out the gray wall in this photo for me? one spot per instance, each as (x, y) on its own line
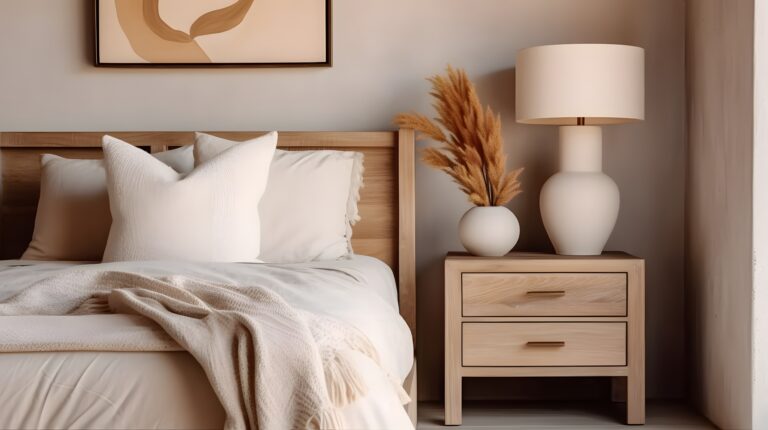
(382, 52)
(719, 208)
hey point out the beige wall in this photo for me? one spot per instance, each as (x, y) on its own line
(719, 208)
(382, 52)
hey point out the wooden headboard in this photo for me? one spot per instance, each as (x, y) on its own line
(386, 230)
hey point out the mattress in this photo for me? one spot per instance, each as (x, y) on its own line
(79, 389)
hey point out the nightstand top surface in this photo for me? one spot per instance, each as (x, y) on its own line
(608, 255)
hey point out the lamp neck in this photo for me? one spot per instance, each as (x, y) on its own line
(581, 148)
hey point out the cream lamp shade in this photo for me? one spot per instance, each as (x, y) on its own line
(558, 84)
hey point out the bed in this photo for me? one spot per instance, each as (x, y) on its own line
(130, 390)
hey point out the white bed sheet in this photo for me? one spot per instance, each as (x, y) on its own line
(79, 389)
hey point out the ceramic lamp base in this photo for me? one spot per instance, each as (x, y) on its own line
(580, 204)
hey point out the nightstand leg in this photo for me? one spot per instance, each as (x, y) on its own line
(452, 399)
(635, 398)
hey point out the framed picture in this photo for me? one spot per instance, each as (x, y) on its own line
(199, 33)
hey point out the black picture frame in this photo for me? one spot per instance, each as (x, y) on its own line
(327, 63)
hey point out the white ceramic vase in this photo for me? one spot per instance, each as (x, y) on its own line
(489, 231)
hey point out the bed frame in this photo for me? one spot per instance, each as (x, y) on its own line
(386, 231)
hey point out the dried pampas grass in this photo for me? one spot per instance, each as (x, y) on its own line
(472, 151)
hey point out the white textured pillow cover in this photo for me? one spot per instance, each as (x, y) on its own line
(211, 214)
(73, 218)
(310, 204)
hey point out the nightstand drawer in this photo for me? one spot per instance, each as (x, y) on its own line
(544, 294)
(544, 344)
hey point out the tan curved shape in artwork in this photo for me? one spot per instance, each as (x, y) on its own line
(158, 26)
(157, 42)
(148, 44)
(221, 20)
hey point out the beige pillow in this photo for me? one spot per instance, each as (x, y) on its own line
(73, 219)
(211, 214)
(310, 204)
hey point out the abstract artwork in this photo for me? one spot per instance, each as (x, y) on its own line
(213, 32)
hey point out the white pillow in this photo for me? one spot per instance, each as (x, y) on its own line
(73, 219)
(310, 204)
(211, 214)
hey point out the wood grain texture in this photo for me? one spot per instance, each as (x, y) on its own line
(92, 139)
(636, 344)
(453, 370)
(611, 346)
(544, 294)
(544, 372)
(544, 344)
(406, 192)
(719, 237)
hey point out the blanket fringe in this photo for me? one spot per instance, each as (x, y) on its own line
(362, 344)
(98, 304)
(345, 385)
(402, 395)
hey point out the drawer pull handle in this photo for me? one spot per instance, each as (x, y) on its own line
(556, 344)
(546, 293)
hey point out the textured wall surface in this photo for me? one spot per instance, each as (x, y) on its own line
(719, 208)
(383, 50)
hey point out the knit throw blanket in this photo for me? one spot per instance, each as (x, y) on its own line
(271, 365)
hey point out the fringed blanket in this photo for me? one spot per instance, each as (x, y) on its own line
(271, 366)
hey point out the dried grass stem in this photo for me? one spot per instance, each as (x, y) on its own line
(471, 152)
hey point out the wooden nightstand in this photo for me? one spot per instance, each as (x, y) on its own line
(529, 314)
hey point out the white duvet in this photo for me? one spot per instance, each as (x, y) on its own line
(168, 389)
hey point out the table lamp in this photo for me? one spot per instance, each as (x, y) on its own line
(580, 87)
